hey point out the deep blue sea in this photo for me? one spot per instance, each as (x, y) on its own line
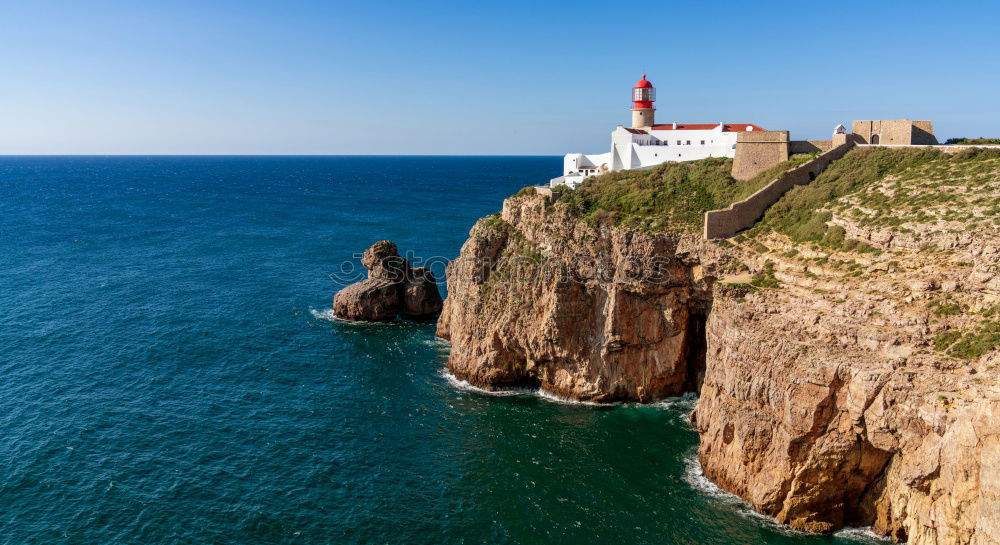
(169, 373)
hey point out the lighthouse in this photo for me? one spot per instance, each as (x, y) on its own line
(643, 95)
(646, 144)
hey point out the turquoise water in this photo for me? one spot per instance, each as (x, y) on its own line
(168, 373)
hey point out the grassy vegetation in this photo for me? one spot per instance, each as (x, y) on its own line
(765, 278)
(675, 196)
(973, 141)
(496, 224)
(671, 196)
(803, 212)
(799, 213)
(971, 343)
(945, 308)
(977, 342)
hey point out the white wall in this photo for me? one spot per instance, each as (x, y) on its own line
(631, 151)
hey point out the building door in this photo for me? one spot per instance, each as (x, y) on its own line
(874, 139)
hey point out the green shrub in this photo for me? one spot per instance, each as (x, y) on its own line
(799, 212)
(973, 141)
(945, 339)
(671, 196)
(765, 278)
(978, 342)
(945, 308)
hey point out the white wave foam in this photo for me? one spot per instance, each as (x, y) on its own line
(438, 344)
(685, 402)
(506, 392)
(549, 396)
(327, 315)
(695, 477)
(862, 535)
(465, 385)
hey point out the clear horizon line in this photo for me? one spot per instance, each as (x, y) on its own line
(271, 155)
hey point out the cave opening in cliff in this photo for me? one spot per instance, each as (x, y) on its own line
(697, 346)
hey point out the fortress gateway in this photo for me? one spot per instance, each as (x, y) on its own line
(646, 144)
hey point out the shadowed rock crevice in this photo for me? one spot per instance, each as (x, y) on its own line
(697, 347)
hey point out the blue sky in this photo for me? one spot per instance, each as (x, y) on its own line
(511, 77)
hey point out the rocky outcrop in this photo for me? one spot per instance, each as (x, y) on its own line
(845, 390)
(421, 298)
(540, 299)
(825, 412)
(392, 289)
(865, 391)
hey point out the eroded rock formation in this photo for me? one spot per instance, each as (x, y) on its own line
(392, 289)
(840, 397)
(538, 298)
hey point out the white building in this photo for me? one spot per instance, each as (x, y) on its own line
(646, 144)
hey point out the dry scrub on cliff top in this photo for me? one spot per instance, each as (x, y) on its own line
(894, 188)
(668, 197)
(897, 232)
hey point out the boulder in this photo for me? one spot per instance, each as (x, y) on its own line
(383, 262)
(392, 289)
(372, 300)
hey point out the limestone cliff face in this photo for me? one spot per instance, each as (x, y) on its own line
(864, 390)
(849, 390)
(540, 299)
(821, 415)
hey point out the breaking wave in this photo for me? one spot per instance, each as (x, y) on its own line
(506, 392)
(326, 314)
(696, 479)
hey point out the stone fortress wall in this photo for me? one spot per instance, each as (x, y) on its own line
(809, 146)
(757, 151)
(743, 214)
(760, 150)
(900, 132)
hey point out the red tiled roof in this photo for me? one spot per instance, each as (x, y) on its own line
(729, 127)
(636, 131)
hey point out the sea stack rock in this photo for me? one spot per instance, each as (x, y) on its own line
(392, 289)
(421, 298)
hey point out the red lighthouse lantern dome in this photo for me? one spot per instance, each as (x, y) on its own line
(643, 94)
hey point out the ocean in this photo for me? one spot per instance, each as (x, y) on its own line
(170, 372)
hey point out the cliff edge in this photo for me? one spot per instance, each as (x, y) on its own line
(844, 349)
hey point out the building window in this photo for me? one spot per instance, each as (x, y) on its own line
(678, 142)
(689, 142)
(702, 142)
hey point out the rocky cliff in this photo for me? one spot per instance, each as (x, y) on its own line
(844, 351)
(597, 313)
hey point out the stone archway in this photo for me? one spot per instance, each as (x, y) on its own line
(874, 139)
